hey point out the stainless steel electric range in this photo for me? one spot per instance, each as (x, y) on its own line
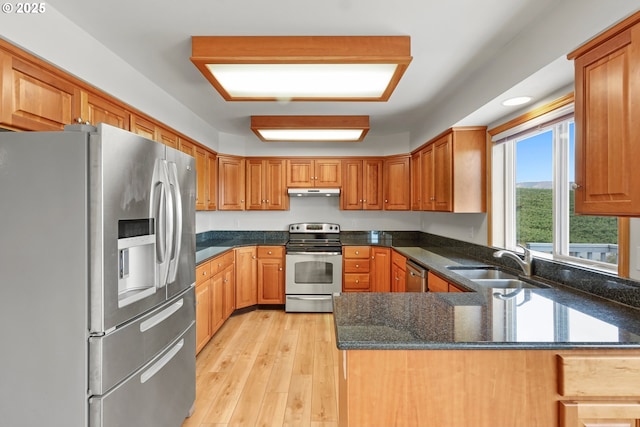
(313, 267)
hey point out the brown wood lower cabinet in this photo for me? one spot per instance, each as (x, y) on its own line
(438, 284)
(398, 272)
(380, 275)
(246, 274)
(479, 388)
(215, 296)
(270, 275)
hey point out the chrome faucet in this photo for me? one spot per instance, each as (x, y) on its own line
(525, 265)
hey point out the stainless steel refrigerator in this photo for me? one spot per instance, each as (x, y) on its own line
(97, 274)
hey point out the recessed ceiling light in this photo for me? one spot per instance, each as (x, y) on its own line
(302, 68)
(310, 128)
(518, 100)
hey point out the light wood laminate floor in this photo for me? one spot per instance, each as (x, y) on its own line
(268, 368)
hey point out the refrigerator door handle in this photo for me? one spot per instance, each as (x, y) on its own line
(160, 210)
(169, 224)
(176, 224)
(157, 367)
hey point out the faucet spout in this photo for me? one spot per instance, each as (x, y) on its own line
(525, 264)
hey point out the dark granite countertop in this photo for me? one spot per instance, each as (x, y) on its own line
(530, 319)
(572, 309)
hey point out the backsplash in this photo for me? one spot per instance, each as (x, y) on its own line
(608, 286)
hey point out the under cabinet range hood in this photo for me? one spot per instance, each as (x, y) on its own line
(314, 192)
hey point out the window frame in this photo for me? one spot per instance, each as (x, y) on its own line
(502, 178)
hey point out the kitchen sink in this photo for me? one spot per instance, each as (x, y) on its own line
(504, 283)
(492, 277)
(482, 273)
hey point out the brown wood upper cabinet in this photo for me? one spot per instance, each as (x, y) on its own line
(231, 183)
(607, 86)
(202, 181)
(452, 171)
(97, 109)
(397, 184)
(362, 184)
(33, 98)
(303, 173)
(266, 188)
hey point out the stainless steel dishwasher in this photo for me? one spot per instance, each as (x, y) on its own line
(416, 278)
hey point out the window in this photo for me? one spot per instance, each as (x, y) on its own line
(535, 195)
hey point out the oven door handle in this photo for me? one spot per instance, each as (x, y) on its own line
(310, 298)
(314, 253)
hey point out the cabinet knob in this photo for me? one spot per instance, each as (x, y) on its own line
(386, 201)
(242, 201)
(253, 257)
(204, 273)
(575, 186)
(357, 281)
(364, 201)
(357, 252)
(267, 200)
(269, 252)
(280, 269)
(357, 265)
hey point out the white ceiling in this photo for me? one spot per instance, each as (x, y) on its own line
(450, 41)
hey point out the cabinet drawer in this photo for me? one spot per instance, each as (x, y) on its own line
(398, 260)
(598, 375)
(356, 265)
(203, 272)
(270, 251)
(221, 262)
(356, 251)
(356, 282)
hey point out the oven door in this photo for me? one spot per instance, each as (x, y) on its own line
(313, 273)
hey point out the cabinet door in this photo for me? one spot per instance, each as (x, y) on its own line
(270, 281)
(203, 314)
(254, 192)
(397, 184)
(427, 184)
(300, 173)
(246, 285)
(33, 98)
(167, 137)
(201, 178)
(143, 127)
(398, 279)
(229, 293)
(372, 185)
(231, 176)
(380, 269)
(437, 283)
(351, 194)
(219, 310)
(442, 177)
(212, 181)
(95, 109)
(607, 137)
(416, 182)
(327, 173)
(275, 190)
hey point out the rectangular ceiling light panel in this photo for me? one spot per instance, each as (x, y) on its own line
(302, 68)
(310, 128)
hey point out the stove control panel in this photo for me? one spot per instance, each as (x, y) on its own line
(314, 227)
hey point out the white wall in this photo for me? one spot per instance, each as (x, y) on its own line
(54, 38)
(462, 226)
(308, 209)
(556, 33)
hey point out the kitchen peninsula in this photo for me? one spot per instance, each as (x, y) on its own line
(549, 356)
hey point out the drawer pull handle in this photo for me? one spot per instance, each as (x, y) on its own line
(158, 318)
(147, 375)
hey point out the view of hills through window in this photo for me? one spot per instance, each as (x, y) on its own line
(588, 237)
